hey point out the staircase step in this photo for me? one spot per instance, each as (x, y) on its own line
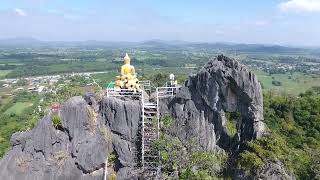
(152, 134)
(146, 135)
(150, 106)
(151, 156)
(153, 129)
(150, 117)
(150, 112)
(151, 162)
(149, 123)
(150, 140)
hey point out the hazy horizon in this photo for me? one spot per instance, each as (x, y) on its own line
(26, 39)
(276, 22)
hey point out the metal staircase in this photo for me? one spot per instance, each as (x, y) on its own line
(150, 127)
(150, 158)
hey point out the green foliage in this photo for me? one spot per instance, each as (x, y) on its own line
(158, 79)
(34, 68)
(294, 124)
(232, 118)
(22, 82)
(24, 96)
(80, 80)
(186, 157)
(8, 125)
(276, 83)
(104, 79)
(67, 92)
(250, 161)
(166, 121)
(56, 121)
(260, 152)
(17, 114)
(113, 158)
(17, 108)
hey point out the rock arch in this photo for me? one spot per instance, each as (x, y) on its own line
(222, 85)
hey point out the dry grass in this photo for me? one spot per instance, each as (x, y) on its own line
(23, 163)
(113, 175)
(59, 158)
(106, 134)
(92, 119)
(100, 94)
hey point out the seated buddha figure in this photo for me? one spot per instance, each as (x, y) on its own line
(127, 70)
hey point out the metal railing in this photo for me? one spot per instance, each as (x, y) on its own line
(146, 85)
(112, 92)
(163, 92)
(142, 132)
(106, 174)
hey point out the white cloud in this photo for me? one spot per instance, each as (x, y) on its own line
(20, 12)
(300, 5)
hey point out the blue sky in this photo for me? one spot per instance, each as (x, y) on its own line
(286, 22)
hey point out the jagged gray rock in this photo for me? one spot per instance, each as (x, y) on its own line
(222, 85)
(271, 171)
(123, 118)
(76, 150)
(275, 171)
(91, 130)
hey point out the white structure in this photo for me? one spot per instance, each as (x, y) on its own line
(150, 130)
(173, 82)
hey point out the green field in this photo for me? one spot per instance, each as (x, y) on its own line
(291, 83)
(18, 108)
(3, 73)
(104, 78)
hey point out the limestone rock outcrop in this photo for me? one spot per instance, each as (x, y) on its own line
(64, 152)
(199, 107)
(78, 148)
(91, 130)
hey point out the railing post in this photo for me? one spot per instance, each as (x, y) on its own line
(142, 132)
(158, 132)
(106, 170)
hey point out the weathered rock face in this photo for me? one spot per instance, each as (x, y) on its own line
(222, 85)
(275, 171)
(79, 147)
(123, 119)
(272, 171)
(65, 153)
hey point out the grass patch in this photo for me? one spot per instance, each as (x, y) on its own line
(56, 121)
(3, 73)
(104, 78)
(232, 118)
(292, 84)
(18, 108)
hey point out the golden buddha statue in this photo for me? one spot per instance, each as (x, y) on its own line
(127, 70)
(127, 79)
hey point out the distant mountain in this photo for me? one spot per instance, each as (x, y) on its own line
(156, 43)
(162, 42)
(20, 41)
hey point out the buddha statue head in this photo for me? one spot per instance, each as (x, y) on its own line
(126, 59)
